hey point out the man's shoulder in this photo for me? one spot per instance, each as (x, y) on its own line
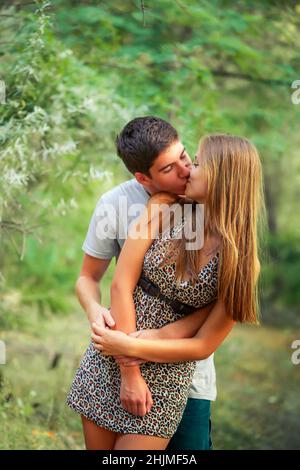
(130, 189)
(122, 189)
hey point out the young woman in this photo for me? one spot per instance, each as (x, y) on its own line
(226, 178)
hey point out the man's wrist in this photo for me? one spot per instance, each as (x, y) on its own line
(93, 311)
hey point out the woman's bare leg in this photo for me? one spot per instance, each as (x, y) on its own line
(140, 442)
(97, 438)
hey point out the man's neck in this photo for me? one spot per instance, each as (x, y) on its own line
(146, 190)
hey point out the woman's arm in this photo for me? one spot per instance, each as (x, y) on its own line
(215, 329)
(186, 327)
(209, 337)
(129, 267)
(134, 394)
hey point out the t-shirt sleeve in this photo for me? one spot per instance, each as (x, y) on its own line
(101, 239)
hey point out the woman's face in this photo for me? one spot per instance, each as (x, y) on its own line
(196, 187)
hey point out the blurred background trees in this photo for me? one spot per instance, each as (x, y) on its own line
(76, 71)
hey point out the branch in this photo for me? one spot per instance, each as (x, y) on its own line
(250, 78)
(143, 11)
(23, 4)
(11, 225)
(215, 72)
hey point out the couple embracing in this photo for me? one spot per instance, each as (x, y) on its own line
(147, 379)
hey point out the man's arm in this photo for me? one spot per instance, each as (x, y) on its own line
(88, 290)
(187, 327)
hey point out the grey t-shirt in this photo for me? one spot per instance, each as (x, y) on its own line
(113, 215)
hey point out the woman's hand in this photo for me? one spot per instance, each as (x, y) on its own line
(110, 342)
(135, 395)
(128, 361)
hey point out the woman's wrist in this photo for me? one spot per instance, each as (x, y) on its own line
(132, 372)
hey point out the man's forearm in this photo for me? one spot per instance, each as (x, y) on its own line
(88, 293)
(187, 326)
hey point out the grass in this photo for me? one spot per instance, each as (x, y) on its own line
(258, 405)
(258, 401)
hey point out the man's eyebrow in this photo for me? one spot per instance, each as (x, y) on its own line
(171, 163)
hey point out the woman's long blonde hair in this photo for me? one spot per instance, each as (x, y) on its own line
(234, 209)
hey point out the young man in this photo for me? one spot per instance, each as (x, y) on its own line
(151, 150)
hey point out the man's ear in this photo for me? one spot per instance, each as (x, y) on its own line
(141, 178)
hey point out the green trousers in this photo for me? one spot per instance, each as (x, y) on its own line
(194, 430)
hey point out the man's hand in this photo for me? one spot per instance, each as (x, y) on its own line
(101, 316)
(135, 395)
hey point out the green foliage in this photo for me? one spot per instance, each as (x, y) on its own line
(75, 72)
(282, 271)
(57, 130)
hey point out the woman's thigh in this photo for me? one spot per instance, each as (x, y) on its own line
(97, 438)
(140, 442)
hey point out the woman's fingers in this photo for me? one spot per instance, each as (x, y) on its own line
(97, 329)
(135, 334)
(128, 406)
(97, 339)
(138, 408)
(141, 409)
(149, 401)
(110, 322)
(125, 406)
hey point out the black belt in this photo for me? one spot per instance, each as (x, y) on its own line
(153, 290)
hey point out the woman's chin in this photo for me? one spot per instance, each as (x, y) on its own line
(188, 193)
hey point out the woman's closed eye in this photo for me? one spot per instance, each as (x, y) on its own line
(195, 163)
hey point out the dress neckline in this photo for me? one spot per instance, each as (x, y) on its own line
(189, 281)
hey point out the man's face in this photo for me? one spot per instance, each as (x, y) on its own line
(169, 172)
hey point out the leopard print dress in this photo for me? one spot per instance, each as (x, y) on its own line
(95, 391)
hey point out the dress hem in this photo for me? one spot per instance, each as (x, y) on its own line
(109, 428)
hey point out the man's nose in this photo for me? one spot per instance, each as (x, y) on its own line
(185, 170)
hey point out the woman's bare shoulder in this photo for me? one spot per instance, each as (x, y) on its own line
(163, 197)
